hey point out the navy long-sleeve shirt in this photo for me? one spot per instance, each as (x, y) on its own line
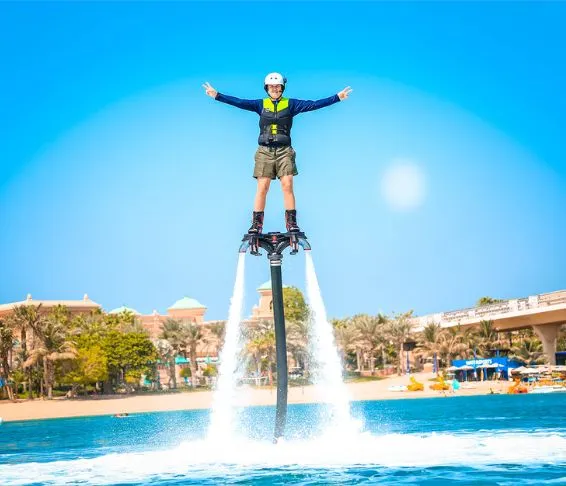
(295, 106)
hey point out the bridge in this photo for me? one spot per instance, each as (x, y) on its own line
(545, 313)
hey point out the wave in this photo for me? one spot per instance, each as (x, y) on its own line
(202, 459)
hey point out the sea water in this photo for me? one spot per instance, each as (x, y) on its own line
(492, 439)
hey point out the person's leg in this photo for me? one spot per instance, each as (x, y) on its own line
(263, 184)
(259, 204)
(288, 194)
(289, 202)
(264, 172)
(286, 170)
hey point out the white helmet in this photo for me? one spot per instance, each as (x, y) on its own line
(274, 78)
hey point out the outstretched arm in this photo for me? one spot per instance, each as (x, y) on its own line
(302, 106)
(250, 105)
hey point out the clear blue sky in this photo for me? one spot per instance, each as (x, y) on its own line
(442, 178)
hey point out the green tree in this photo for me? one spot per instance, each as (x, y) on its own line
(218, 330)
(561, 341)
(53, 344)
(166, 355)
(431, 341)
(371, 332)
(528, 351)
(453, 343)
(129, 355)
(193, 337)
(294, 305)
(347, 338)
(186, 372)
(6, 344)
(488, 338)
(25, 317)
(261, 345)
(399, 330)
(487, 301)
(175, 333)
(210, 370)
(89, 368)
(297, 342)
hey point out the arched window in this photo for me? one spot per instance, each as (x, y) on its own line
(270, 305)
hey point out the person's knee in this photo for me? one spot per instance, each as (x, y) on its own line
(263, 187)
(287, 186)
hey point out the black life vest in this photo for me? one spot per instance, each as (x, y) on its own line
(275, 123)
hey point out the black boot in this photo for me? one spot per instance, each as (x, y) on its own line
(291, 221)
(257, 223)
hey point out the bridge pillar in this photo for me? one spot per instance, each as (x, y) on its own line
(548, 333)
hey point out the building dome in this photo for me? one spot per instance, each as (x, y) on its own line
(267, 286)
(187, 303)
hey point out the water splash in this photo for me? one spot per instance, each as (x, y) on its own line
(245, 461)
(222, 419)
(326, 367)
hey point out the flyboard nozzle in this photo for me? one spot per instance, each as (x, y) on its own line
(274, 244)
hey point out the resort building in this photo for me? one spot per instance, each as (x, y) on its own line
(544, 313)
(75, 306)
(263, 311)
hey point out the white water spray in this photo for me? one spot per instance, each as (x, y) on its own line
(325, 361)
(222, 420)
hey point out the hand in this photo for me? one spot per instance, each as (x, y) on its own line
(210, 91)
(344, 93)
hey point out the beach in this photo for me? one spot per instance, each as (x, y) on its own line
(247, 396)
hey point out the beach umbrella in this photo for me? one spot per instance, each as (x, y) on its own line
(527, 371)
(452, 368)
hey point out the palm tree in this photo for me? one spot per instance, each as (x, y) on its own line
(218, 330)
(167, 355)
(371, 331)
(6, 343)
(92, 324)
(193, 337)
(432, 336)
(487, 337)
(53, 345)
(487, 301)
(261, 345)
(298, 342)
(452, 344)
(255, 349)
(173, 331)
(347, 338)
(399, 330)
(25, 317)
(528, 351)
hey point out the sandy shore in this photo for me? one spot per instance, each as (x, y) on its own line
(373, 390)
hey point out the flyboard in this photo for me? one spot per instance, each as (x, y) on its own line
(274, 244)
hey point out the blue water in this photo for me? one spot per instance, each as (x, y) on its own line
(466, 440)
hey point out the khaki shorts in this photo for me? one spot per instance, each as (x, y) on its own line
(275, 162)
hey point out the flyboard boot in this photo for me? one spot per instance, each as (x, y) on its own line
(255, 230)
(292, 229)
(257, 223)
(291, 221)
